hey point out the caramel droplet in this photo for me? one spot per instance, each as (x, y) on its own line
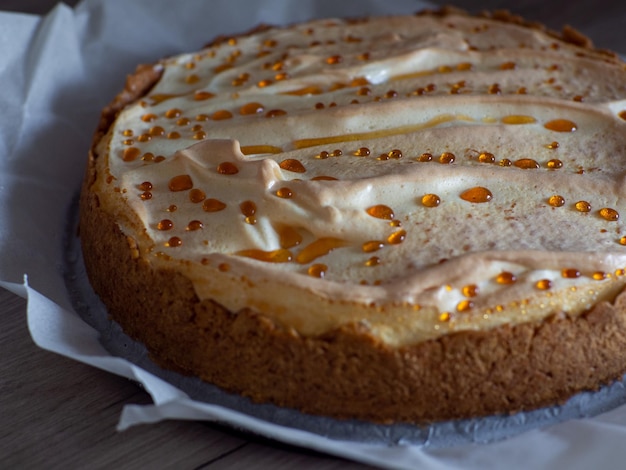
(180, 183)
(486, 157)
(464, 305)
(317, 270)
(582, 206)
(194, 225)
(213, 205)
(544, 284)
(323, 155)
(145, 186)
(552, 145)
(293, 165)
(447, 158)
(248, 208)
(381, 211)
(526, 164)
(251, 108)
(173, 113)
(561, 125)
(165, 224)
(506, 277)
(609, 214)
(431, 200)
(477, 195)
(148, 117)
(444, 317)
(202, 95)
(174, 242)
(373, 261)
(285, 193)
(130, 154)
(599, 276)
(425, 157)
(227, 168)
(334, 60)
(156, 131)
(570, 273)
(362, 152)
(221, 115)
(395, 154)
(556, 201)
(396, 237)
(371, 246)
(196, 195)
(622, 114)
(494, 89)
(554, 164)
(471, 290)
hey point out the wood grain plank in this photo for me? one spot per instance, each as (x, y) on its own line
(278, 457)
(56, 412)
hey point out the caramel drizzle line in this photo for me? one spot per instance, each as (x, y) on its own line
(258, 149)
(305, 143)
(407, 76)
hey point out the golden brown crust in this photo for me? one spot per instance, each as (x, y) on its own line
(346, 373)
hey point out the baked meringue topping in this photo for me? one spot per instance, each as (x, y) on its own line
(415, 175)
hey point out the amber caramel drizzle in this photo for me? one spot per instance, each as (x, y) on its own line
(260, 149)
(318, 248)
(305, 143)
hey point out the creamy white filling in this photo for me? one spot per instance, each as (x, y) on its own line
(471, 186)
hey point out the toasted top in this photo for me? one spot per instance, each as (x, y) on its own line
(415, 175)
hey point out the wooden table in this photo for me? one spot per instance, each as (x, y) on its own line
(57, 413)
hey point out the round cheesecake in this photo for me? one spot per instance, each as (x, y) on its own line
(393, 219)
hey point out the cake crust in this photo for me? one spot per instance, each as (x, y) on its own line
(346, 372)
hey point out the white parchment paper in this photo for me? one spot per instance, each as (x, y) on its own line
(57, 72)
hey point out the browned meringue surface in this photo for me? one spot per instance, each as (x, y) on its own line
(416, 175)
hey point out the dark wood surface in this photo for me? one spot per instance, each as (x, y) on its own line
(57, 413)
